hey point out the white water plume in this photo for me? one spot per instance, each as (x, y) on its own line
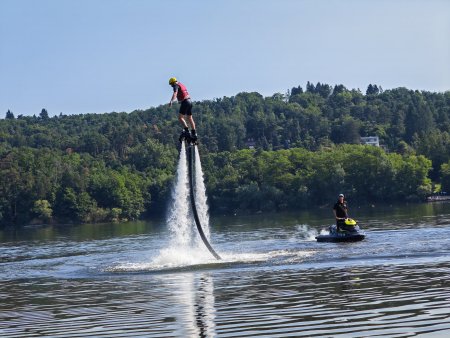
(178, 219)
(186, 246)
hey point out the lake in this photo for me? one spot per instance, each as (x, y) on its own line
(275, 280)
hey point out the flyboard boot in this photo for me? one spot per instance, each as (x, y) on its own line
(194, 136)
(185, 136)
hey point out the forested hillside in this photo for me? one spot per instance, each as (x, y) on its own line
(101, 167)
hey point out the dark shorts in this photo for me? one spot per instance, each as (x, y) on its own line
(340, 223)
(186, 107)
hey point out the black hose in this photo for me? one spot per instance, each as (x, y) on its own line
(194, 208)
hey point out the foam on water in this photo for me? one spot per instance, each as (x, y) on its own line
(173, 258)
(324, 232)
(305, 232)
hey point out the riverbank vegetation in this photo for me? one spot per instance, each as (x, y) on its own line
(116, 166)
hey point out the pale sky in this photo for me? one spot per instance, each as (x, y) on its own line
(97, 56)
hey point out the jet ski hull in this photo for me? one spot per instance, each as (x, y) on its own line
(340, 238)
(355, 235)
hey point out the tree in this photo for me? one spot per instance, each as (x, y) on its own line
(419, 117)
(445, 177)
(9, 115)
(338, 89)
(310, 87)
(323, 90)
(372, 90)
(404, 149)
(296, 90)
(346, 131)
(43, 210)
(44, 114)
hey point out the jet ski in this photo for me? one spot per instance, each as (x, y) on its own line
(348, 232)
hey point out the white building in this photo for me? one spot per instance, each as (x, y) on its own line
(371, 140)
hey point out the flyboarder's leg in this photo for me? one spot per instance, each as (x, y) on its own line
(188, 111)
(182, 120)
(185, 133)
(191, 122)
(193, 132)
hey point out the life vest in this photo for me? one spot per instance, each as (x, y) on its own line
(182, 93)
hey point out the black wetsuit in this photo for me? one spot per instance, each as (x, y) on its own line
(341, 212)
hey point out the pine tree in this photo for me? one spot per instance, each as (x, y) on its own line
(44, 114)
(9, 115)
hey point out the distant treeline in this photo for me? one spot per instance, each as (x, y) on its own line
(103, 167)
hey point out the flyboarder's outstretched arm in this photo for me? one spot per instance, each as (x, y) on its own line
(174, 95)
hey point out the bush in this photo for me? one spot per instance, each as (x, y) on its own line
(43, 210)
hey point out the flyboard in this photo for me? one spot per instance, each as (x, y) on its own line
(191, 143)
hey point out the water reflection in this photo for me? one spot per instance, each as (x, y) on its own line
(81, 232)
(204, 307)
(192, 299)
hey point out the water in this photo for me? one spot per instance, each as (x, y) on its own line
(117, 280)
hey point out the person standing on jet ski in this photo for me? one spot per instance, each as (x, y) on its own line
(181, 94)
(340, 211)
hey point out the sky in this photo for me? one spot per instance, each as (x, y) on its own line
(98, 56)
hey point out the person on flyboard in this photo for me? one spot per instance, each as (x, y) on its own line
(181, 94)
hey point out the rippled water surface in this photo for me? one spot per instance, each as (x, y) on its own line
(118, 280)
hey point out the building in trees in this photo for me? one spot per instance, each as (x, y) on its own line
(371, 140)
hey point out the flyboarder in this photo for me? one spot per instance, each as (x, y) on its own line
(181, 94)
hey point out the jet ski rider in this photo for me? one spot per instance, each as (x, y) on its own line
(340, 210)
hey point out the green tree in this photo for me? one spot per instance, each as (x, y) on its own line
(9, 115)
(43, 210)
(44, 114)
(372, 90)
(445, 177)
(346, 131)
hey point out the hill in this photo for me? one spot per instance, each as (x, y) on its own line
(96, 167)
